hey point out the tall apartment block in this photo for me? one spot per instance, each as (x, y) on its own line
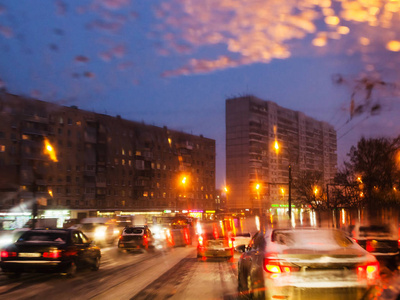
(262, 140)
(100, 162)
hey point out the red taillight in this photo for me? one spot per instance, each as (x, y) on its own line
(186, 236)
(145, 240)
(200, 241)
(370, 246)
(52, 254)
(274, 265)
(8, 254)
(369, 271)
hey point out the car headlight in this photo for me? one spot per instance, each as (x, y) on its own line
(100, 232)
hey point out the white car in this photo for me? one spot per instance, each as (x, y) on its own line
(309, 263)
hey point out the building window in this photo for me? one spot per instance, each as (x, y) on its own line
(145, 194)
(2, 148)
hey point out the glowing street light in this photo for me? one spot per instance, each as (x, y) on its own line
(49, 150)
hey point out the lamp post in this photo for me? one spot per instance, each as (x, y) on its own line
(184, 179)
(226, 198)
(51, 153)
(277, 148)
(290, 192)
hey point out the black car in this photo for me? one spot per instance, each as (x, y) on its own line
(50, 251)
(136, 238)
(381, 241)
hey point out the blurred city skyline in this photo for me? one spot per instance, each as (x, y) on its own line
(173, 63)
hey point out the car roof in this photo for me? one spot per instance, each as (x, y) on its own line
(52, 230)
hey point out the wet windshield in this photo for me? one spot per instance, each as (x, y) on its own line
(157, 127)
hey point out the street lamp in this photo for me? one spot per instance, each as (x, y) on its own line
(226, 198)
(277, 148)
(48, 150)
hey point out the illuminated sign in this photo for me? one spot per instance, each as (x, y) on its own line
(282, 205)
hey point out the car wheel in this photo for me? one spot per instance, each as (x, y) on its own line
(71, 271)
(96, 264)
(255, 292)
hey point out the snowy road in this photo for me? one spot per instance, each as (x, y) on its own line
(174, 274)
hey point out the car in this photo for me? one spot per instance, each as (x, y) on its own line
(134, 238)
(50, 251)
(306, 263)
(101, 230)
(214, 242)
(381, 241)
(241, 240)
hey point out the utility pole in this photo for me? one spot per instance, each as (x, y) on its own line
(290, 192)
(34, 204)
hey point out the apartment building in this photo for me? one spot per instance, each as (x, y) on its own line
(98, 162)
(262, 140)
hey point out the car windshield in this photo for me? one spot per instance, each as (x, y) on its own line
(32, 236)
(375, 230)
(133, 230)
(311, 239)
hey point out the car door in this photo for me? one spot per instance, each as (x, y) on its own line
(246, 257)
(81, 257)
(89, 249)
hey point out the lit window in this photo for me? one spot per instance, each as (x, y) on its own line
(123, 151)
(138, 153)
(123, 162)
(2, 148)
(145, 194)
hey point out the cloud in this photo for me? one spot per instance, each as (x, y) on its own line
(263, 30)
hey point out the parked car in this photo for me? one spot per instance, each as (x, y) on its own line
(50, 251)
(214, 241)
(135, 238)
(307, 264)
(380, 240)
